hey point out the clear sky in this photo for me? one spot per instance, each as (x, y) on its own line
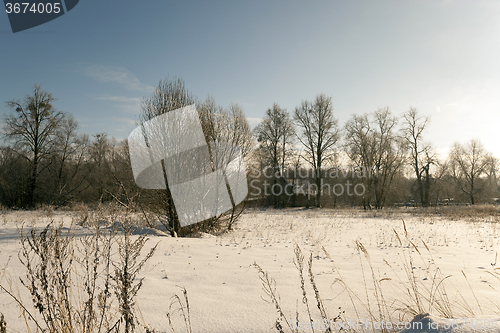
(101, 58)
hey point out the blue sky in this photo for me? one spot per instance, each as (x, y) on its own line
(101, 58)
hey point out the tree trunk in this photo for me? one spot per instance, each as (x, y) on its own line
(427, 191)
(318, 187)
(173, 218)
(32, 183)
(421, 188)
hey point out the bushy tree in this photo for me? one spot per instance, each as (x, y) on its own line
(32, 129)
(374, 147)
(467, 164)
(218, 124)
(169, 95)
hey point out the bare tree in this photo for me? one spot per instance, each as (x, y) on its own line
(69, 166)
(226, 129)
(374, 147)
(275, 134)
(169, 95)
(318, 134)
(421, 156)
(492, 166)
(98, 155)
(14, 174)
(443, 184)
(360, 146)
(429, 159)
(467, 164)
(238, 130)
(390, 154)
(220, 126)
(124, 189)
(225, 125)
(32, 129)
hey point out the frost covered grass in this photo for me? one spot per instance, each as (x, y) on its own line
(347, 264)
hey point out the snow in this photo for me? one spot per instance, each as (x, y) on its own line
(226, 294)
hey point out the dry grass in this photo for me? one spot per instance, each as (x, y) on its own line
(312, 308)
(420, 291)
(472, 213)
(180, 305)
(72, 280)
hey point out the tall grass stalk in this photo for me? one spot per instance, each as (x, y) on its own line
(317, 315)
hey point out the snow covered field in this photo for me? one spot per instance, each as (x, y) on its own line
(445, 267)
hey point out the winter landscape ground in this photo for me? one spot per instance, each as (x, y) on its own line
(366, 265)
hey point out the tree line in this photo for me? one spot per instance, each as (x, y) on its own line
(387, 155)
(45, 159)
